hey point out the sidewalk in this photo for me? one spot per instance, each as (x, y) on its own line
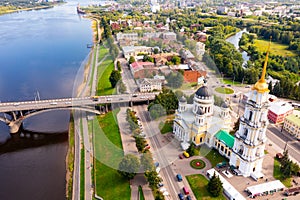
(129, 148)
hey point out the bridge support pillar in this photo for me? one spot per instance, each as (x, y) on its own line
(148, 101)
(14, 126)
(130, 103)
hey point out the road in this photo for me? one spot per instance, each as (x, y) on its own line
(73, 102)
(127, 77)
(159, 152)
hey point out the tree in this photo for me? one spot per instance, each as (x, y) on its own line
(114, 77)
(140, 143)
(235, 127)
(152, 178)
(131, 60)
(192, 150)
(215, 186)
(175, 80)
(147, 162)
(119, 65)
(176, 60)
(155, 51)
(129, 166)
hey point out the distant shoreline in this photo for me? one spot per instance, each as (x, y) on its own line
(29, 9)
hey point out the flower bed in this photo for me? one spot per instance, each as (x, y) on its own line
(197, 164)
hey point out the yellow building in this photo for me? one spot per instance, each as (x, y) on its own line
(292, 124)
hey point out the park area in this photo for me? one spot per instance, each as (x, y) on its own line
(275, 49)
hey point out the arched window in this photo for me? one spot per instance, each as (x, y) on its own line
(241, 150)
(245, 132)
(201, 140)
(250, 115)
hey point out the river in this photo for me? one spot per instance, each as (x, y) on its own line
(235, 41)
(40, 52)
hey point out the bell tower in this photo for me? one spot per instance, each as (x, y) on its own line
(250, 139)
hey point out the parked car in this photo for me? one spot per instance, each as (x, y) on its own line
(188, 197)
(181, 197)
(221, 164)
(160, 184)
(186, 190)
(179, 177)
(181, 156)
(186, 154)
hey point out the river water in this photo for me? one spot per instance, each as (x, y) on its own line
(39, 51)
(235, 41)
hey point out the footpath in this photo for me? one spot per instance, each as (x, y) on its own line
(130, 148)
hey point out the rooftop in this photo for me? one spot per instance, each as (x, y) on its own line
(225, 137)
(280, 107)
(294, 118)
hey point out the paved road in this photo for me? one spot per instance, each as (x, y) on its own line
(127, 77)
(163, 151)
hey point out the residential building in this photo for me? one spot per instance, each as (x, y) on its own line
(127, 36)
(200, 48)
(292, 124)
(169, 36)
(192, 76)
(143, 69)
(149, 85)
(135, 50)
(187, 56)
(279, 110)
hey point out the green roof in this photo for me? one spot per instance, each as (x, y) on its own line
(294, 118)
(225, 137)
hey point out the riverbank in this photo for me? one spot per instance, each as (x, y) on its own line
(12, 9)
(70, 160)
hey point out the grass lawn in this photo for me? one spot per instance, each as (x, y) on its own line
(70, 158)
(102, 52)
(277, 174)
(104, 71)
(229, 81)
(224, 90)
(186, 86)
(198, 184)
(166, 127)
(212, 155)
(108, 154)
(275, 49)
(82, 179)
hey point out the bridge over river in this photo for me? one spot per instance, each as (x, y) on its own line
(14, 113)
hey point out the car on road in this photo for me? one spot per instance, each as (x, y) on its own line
(181, 197)
(121, 99)
(179, 177)
(185, 190)
(248, 86)
(16, 104)
(181, 156)
(188, 197)
(160, 184)
(134, 95)
(229, 85)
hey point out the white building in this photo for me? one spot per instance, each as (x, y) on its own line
(135, 50)
(148, 85)
(201, 121)
(249, 144)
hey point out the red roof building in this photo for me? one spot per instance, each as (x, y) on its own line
(192, 76)
(278, 111)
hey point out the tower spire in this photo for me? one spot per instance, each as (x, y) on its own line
(261, 85)
(263, 74)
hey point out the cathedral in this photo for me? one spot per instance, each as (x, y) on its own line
(204, 123)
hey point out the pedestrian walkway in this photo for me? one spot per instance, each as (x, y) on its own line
(129, 148)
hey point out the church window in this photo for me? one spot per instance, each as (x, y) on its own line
(225, 151)
(241, 151)
(253, 169)
(200, 139)
(245, 132)
(228, 153)
(216, 144)
(222, 148)
(250, 115)
(208, 109)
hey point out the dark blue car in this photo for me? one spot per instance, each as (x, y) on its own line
(181, 197)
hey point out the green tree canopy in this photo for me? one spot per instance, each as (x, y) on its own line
(129, 166)
(131, 60)
(215, 186)
(114, 77)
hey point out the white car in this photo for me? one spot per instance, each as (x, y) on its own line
(53, 103)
